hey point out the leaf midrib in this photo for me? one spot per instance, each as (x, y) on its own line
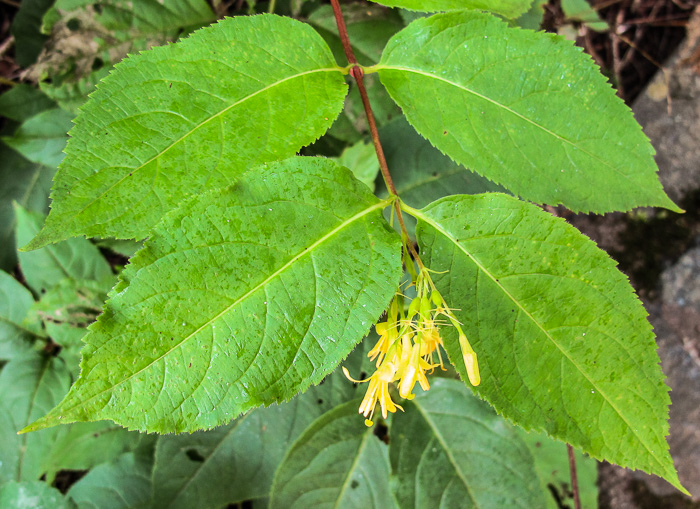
(592, 155)
(366, 435)
(448, 450)
(379, 205)
(419, 215)
(32, 402)
(195, 128)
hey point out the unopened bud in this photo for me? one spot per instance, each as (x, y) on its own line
(470, 361)
(472, 366)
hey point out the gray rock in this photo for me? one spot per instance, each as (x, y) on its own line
(677, 325)
(669, 112)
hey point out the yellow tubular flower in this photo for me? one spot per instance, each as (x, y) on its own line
(387, 335)
(407, 345)
(431, 341)
(378, 390)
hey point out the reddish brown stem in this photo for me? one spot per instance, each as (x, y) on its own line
(411, 249)
(358, 74)
(574, 476)
(343, 31)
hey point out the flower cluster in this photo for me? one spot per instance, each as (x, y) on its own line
(409, 340)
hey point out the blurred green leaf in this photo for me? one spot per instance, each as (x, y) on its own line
(552, 467)
(26, 183)
(82, 446)
(74, 302)
(32, 495)
(124, 483)
(29, 385)
(451, 450)
(42, 138)
(26, 29)
(126, 248)
(17, 333)
(362, 161)
(582, 12)
(369, 28)
(22, 102)
(421, 173)
(70, 340)
(72, 259)
(336, 462)
(532, 19)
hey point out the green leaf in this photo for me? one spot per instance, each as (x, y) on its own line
(135, 18)
(30, 386)
(189, 467)
(452, 450)
(70, 340)
(582, 12)
(552, 467)
(71, 92)
(83, 446)
(126, 248)
(336, 462)
(362, 160)
(29, 41)
(26, 183)
(507, 8)
(73, 302)
(421, 173)
(124, 483)
(177, 120)
(32, 495)
(16, 334)
(243, 296)
(532, 19)
(73, 258)
(558, 135)
(22, 102)
(563, 342)
(42, 138)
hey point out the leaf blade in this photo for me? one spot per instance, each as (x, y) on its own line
(287, 333)
(451, 450)
(494, 116)
(130, 157)
(521, 336)
(16, 335)
(73, 259)
(507, 8)
(30, 384)
(336, 462)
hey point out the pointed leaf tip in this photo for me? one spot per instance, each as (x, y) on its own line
(36, 243)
